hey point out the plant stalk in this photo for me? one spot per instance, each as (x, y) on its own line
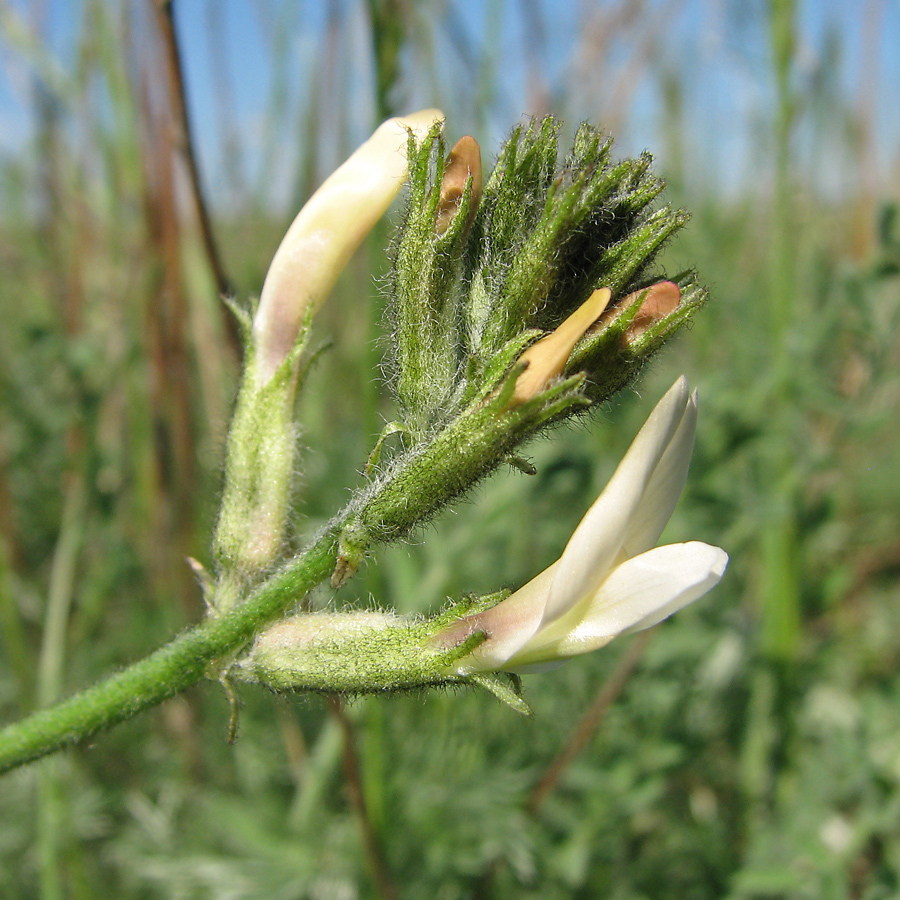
(410, 493)
(171, 669)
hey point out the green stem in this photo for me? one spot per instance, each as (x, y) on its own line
(169, 670)
(412, 490)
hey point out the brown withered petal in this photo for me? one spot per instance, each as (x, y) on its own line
(661, 300)
(464, 160)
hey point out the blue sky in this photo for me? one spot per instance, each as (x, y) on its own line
(487, 63)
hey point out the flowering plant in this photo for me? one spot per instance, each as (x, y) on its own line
(611, 579)
(517, 299)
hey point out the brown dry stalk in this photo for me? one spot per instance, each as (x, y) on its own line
(185, 144)
(353, 774)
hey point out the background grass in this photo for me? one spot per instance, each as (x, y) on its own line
(750, 748)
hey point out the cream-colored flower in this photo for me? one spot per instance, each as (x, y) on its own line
(610, 579)
(325, 234)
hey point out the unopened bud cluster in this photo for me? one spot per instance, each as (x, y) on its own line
(483, 267)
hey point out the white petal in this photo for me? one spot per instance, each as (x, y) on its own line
(598, 541)
(510, 625)
(326, 232)
(664, 488)
(645, 590)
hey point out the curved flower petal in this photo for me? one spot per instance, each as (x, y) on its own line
(509, 625)
(665, 486)
(607, 582)
(598, 541)
(548, 357)
(326, 232)
(643, 591)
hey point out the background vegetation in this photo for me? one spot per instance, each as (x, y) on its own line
(749, 748)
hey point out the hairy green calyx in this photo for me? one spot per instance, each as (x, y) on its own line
(546, 233)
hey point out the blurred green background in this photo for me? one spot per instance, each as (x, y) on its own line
(748, 748)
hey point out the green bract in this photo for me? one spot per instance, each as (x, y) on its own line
(546, 233)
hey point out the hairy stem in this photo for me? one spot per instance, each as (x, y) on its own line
(413, 489)
(169, 670)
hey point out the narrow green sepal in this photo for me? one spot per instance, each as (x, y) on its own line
(625, 263)
(563, 407)
(692, 298)
(506, 687)
(522, 464)
(243, 316)
(308, 359)
(450, 243)
(563, 395)
(468, 605)
(289, 368)
(353, 542)
(484, 374)
(602, 346)
(463, 648)
(386, 432)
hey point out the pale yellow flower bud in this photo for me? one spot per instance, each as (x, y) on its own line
(325, 234)
(548, 357)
